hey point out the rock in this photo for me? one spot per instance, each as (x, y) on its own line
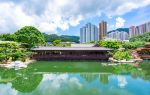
(125, 61)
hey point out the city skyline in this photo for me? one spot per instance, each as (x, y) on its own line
(65, 17)
(140, 29)
(119, 34)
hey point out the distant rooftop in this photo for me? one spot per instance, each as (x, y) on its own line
(82, 47)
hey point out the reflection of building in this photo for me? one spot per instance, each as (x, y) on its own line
(136, 30)
(89, 77)
(89, 33)
(119, 34)
(104, 78)
(103, 30)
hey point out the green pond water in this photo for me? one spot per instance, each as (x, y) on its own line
(75, 78)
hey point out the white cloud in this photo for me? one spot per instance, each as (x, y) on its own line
(128, 6)
(122, 82)
(56, 83)
(120, 22)
(13, 17)
(50, 15)
(45, 26)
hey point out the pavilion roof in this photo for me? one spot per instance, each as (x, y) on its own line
(48, 48)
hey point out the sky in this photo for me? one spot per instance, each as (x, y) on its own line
(66, 17)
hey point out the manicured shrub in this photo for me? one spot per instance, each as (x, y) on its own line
(122, 55)
(12, 50)
(110, 44)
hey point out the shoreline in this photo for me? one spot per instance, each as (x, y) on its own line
(12, 65)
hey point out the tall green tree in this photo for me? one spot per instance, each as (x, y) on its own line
(30, 35)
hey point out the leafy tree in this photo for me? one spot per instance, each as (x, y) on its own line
(56, 42)
(50, 38)
(143, 37)
(110, 44)
(30, 35)
(122, 55)
(10, 50)
(8, 37)
(132, 45)
(7, 49)
(72, 38)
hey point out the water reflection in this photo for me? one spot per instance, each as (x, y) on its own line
(104, 78)
(124, 80)
(89, 77)
(72, 84)
(27, 83)
(23, 80)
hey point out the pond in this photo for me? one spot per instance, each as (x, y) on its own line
(75, 78)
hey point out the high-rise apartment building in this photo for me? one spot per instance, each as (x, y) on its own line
(136, 30)
(89, 33)
(102, 30)
(132, 31)
(119, 34)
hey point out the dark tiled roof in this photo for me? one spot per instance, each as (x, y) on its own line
(72, 48)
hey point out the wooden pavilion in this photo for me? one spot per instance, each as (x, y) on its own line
(71, 53)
